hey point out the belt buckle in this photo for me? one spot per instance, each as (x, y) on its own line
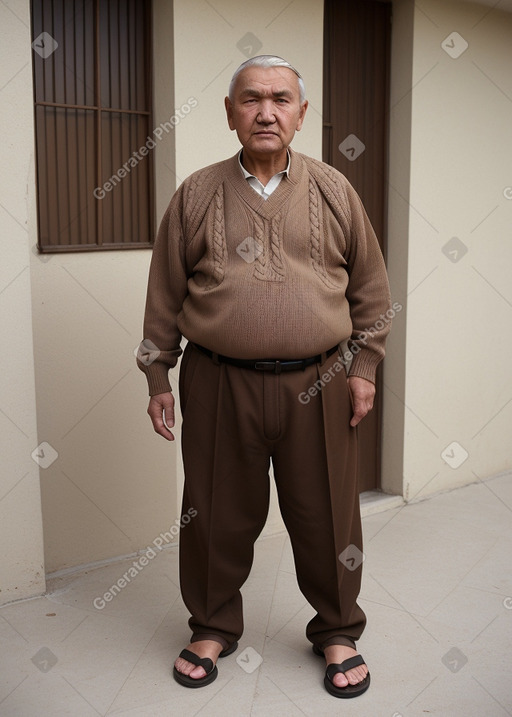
(274, 366)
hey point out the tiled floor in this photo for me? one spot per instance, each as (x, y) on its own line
(437, 591)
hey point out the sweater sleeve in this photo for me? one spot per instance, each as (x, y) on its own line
(167, 289)
(367, 292)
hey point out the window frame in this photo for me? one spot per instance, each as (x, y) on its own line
(99, 143)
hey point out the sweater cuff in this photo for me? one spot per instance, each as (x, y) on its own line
(157, 375)
(364, 364)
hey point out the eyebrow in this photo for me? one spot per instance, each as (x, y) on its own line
(251, 92)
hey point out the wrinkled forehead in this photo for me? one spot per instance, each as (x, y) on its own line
(267, 81)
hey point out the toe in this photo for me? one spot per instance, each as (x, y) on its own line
(187, 668)
(339, 680)
(181, 666)
(197, 673)
(356, 675)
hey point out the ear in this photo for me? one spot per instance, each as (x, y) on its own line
(302, 114)
(229, 112)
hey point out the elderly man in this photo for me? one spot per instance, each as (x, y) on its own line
(266, 263)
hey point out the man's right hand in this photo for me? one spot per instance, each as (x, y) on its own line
(161, 412)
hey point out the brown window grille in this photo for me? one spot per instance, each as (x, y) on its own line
(92, 97)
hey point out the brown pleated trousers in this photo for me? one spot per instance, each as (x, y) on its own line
(235, 421)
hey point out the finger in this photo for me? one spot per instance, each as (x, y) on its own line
(162, 430)
(157, 419)
(356, 418)
(168, 415)
(360, 411)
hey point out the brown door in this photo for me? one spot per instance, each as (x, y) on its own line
(355, 141)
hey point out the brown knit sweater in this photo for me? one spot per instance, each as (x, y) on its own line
(283, 278)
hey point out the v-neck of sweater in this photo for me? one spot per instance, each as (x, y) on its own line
(266, 208)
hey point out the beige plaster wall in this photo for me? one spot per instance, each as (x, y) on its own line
(21, 537)
(450, 387)
(112, 489)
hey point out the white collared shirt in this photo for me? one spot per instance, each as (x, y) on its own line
(264, 191)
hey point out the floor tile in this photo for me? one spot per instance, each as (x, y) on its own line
(437, 592)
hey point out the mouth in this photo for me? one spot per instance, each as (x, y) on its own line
(265, 133)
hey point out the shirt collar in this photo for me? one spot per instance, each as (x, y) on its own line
(247, 174)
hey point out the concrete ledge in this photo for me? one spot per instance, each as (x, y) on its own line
(373, 501)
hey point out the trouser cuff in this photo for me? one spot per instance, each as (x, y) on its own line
(208, 636)
(338, 640)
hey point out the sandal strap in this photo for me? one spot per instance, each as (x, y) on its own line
(203, 662)
(345, 666)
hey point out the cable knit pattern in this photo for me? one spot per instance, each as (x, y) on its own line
(218, 240)
(333, 189)
(319, 280)
(198, 191)
(275, 249)
(317, 250)
(269, 264)
(262, 260)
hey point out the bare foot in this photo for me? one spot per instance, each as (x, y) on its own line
(202, 648)
(339, 653)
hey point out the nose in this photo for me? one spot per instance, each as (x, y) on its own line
(266, 114)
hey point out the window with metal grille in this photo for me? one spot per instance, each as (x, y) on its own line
(92, 96)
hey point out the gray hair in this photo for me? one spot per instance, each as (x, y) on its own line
(267, 61)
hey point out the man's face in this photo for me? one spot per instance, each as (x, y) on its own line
(266, 110)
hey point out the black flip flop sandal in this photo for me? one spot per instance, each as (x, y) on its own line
(206, 663)
(345, 666)
(229, 650)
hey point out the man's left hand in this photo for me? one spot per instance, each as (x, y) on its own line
(363, 393)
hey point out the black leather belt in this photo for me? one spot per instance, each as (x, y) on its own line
(273, 365)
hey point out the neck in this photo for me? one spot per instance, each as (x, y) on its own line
(264, 166)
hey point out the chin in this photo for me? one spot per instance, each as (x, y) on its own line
(270, 144)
